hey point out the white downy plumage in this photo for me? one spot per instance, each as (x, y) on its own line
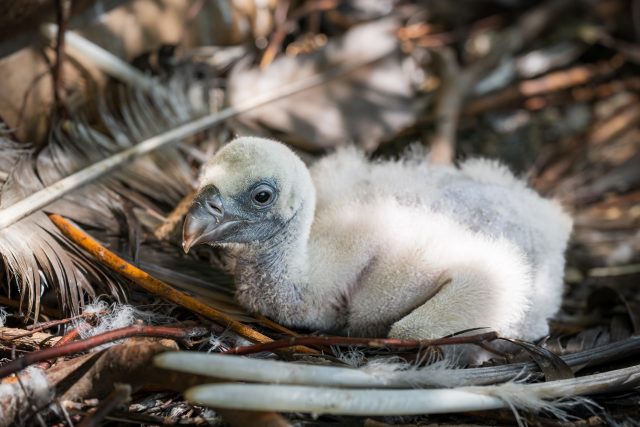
(398, 248)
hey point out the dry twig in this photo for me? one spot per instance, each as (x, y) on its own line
(95, 341)
(552, 82)
(365, 342)
(175, 218)
(150, 283)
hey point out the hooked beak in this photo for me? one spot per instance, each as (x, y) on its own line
(206, 221)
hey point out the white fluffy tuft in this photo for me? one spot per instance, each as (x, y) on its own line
(518, 396)
(32, 389)
(353, 356)
(3, 316)
(115, 316)
(222, 342)
(109, 317)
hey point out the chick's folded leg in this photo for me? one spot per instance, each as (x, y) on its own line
(482, 296)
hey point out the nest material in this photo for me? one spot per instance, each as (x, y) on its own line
(570, 121)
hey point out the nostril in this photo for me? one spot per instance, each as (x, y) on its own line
(215, 208)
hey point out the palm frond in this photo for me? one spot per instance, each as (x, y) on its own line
(35, 254)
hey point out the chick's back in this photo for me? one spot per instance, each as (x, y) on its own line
(479, 214)
(482, 195)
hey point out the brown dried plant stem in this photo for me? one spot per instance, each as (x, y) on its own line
(32, 329)
(95, 341)
(164, 231)
(69, 336)
(365, 342)
(553, 82)
(154, 285)
(265, 321)
(286, 25)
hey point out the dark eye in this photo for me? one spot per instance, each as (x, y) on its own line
(263, 195)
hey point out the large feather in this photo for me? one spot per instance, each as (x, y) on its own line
(36, 255)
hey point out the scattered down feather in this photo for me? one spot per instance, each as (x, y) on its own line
(397, 248)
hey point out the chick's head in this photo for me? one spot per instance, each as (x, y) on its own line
(250, 191)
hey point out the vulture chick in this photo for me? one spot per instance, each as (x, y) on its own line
(402, 249)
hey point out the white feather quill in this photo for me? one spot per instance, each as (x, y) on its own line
(552, 397)
(381, 374)
(365, 391)
(377, 373)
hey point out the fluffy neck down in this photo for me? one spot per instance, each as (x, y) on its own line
(272, 276)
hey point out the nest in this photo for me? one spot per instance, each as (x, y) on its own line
(101, 149)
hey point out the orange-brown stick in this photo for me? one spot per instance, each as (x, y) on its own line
(154, 285)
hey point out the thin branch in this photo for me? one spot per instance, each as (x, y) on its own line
(95, 341)
(364, 342)
(552, 82)
(10, 337)
(283, 27)
(46, 325)
(154, 285)
(454, 87)
(70, 336)
(265, 321)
